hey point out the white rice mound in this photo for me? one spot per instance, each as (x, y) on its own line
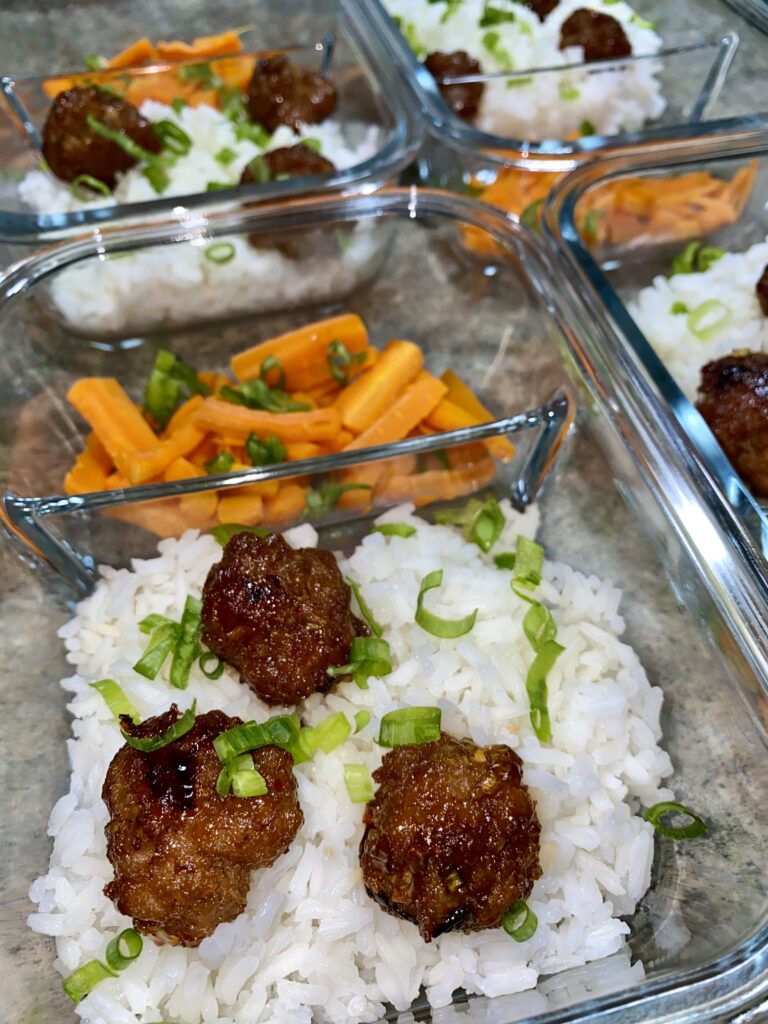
(311, 946)
(555, 104)
(179, 284)
(731, 282)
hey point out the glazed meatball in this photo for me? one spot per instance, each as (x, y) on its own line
(451, 837)
(281, 92)
(462, 97)
(71, 148)
(601, 36)
(541, 8)
(183, 855)
(761, 290)
(291, 161)
(278, 615)
(733, 399)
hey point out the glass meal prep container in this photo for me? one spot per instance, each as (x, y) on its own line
(711, 60)
(619, 496)
(371, 136)
(670, 340)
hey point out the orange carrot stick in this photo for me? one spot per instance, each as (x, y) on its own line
(137, 53)
(86, 475)
(286, 506)
(233, 420)
(373, 393)
(116, 421)
(240, 508)
(454, 415)
(199, 510)
(99, 452)
(203, 46)
(305, 450)
(183, 414)
(181, 469)
(140, 467)
(437, 485)
(416, 403)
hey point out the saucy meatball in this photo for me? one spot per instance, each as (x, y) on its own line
(601, 36)
(71, 148)
(733, 399)
(761, 290)
(182, 854)
(451, 837)
(278, 615)
(281, 92)
(290, 161)
(541, 8)
(462, 97)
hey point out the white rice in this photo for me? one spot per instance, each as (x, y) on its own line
(737, 322)
(179, 284)
(311, 945)
(556, 104)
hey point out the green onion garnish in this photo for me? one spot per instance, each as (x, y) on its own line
(257, 394)
(313, 144)
(225, 156)
(259, 169)
(249, 783)
(369, 656)
(124, 949)
(642, 22)
(272, 363)
(340, 360)
(161, 642)
(280, 730)
(529, 559)
(178, 104)
(529, 218)
(240, 763)
(708, 319)
(539, 626)
(246, 131)
(79, 983)
(326, 735)
(362, 718)
(226, 531)
(157, 177)
(179, 728)
(446, 629)
(568, 92)
(267, 451)
(708, 255)
(520, 921)
(492, 42)
(151, 622)
(173, 137)
(408, 726)
(481, 521)
(221, 463)
(217, 186)
(116, 699)
(677, 308)
(94, 62)
(536, 688)
(505, 560)
(591, 221)
(324, 499)
(495, 16)
(124, 141)
(519, 81)
(211, 665)
(220, 253)
(394, 529)
(655, 814)
(187, 646)
(587, 128)
(171, 382)
(85, 187)
(373, 625)
(696, 257)
(359, 784)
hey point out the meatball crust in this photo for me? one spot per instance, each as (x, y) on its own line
(281, 92)
(733, 399)
(451, 837)
(183, 855)
(541, 8)
(462, 97)
(71, 148)
(278, 615)
(297, 161)
(601, 36)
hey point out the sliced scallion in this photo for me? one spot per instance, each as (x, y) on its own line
(180, 727)
(446, 629)
(173, 137)
(219, 253)
(178, 104)
(408, 726)
(362, 718)
(369, 656)
(124, 141)
(708, 319)
(505, 560)
(187, 645)
(257, 394)
(124, 949)
(327, 735)
(324, 499)
(94, 62)
(677, 308)
(161, 642)
(520, 922)
(697, 827)
(280, 730)
(211, 665)
(709, 254)
(529, 217)
(266, 451)
(481, 521)
(249, 784)
(151, 622)
(221, 463)
(340, 360)
(587, 128)
(240, 763)
(79, 983)
(529, 559)
(359, 784)
(259, 169)
(225, 156)
(539, 626)
(314, 144)
(226, 531)
(272, 363)
(394, 529)
(373, 625)
(568, 92)
(536, 688)
(157, 177)
(85, 187)
(116, 699)
(246, 131)
(170, 383)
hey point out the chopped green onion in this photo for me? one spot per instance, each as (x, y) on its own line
(326, 735)
(519, 81)
(677, 308)
(178, 104)
(592, 219)
(536, 687)
(85, 185)
(148, 744)
(225, 156)
(246, 131)
(539, 626)
(529, 558)
(340, 360)
(94, 62)
(587, 128)
(219, 253)
(240, 763)
(269, 364)
(266, 451)
(369, 656)
(362, 718)
(79, 983)
(373, 625)
(505, 560)
(257, 394)
(492, 43)
(314, 144)
(568, 92)
(226, 531)
(221, 463)
(394, 529)
(187, 645)
(162, 641)
(124, 949)
(173, 137)
(481, 521)
(151, 622)
(170, 383)
(684, 262)
(249, 783)
(324, 499)
(697, 826)
(708, 255)
(202, 73)
(520, 921)
(157, 177)
(217, 186)
(444, 628)
(642, 22)
(495, 16)
(359, 784)
(701, 323)
(408, 726)
(259, 168)
(529, 218)
(116, 699)
(210, 658)
(280, 730)
(124, 141)
(232, 103)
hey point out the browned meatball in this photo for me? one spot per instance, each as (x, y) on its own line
(761, 290)
(71, 148)
(451, 838)
(463, 97)
(281, 92)
(541, 8)
(601, 36)
(182, 854)
(733, 399)
(278, 615)
(292, 162)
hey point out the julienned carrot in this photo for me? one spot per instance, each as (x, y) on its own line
(302, 353)
(86, 475)
(140, 52)
(416, 403)
(203, 46)
(461, 408)
(236, 421)
(437, 484)
(240, 508)
(98, 452)
(140, 467)
(116, 421)
(287, 505)
(368, 397)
